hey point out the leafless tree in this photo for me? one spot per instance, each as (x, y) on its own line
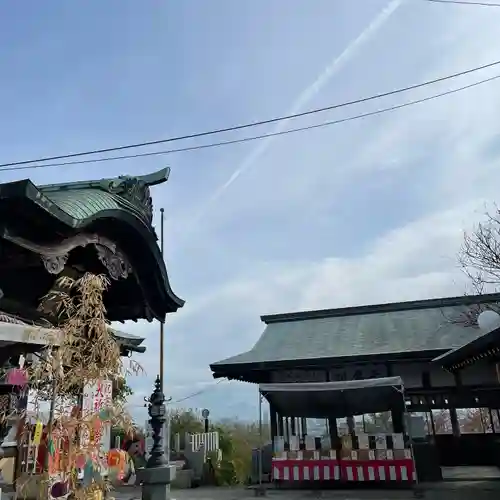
(479, 259)
(474, 421)
(479, 255)
(442, 421)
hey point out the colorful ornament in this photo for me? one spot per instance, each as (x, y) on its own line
(17, 377)
(37, 436)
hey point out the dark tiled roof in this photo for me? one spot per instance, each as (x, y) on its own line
(402, 327)
(485, 346)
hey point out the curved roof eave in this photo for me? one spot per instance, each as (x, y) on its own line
(111, 210)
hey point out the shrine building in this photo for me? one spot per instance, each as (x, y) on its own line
(445, 361)
(100, 226)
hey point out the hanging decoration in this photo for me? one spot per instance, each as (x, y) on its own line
(17, 377)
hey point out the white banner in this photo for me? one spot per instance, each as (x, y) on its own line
(98, 396)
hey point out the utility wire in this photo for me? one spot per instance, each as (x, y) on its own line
(255, 137)
(208, 387)
(258, 123)
(197, 393)
(465, 2)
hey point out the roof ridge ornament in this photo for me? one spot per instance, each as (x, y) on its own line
(132, 188)
(135, 189)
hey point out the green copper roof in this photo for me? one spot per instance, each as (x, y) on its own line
(427, 325)
(119, 213)
(82, 200)
(82, 204)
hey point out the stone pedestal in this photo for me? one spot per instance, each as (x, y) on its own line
(156, 482)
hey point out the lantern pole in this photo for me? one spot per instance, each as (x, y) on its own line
(162, 332)
(157, 475)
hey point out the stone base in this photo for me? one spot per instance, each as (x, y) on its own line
(260, 491)
(156, 492)
(156, 482)
(183, 479)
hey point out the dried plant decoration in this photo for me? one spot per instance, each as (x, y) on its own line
(83, 352)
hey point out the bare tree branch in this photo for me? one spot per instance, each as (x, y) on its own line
(479, 256)
(479, 259)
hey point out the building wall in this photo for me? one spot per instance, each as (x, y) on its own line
(478, 374)
(298, 375)
(411, 373)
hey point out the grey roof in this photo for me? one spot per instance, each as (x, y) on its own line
(486, 345)
(403, 327)
(127, 338)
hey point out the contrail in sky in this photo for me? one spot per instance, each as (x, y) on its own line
(302, 100)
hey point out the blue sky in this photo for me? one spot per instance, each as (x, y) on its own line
(367, 211)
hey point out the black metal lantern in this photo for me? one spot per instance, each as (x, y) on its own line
(157, 412)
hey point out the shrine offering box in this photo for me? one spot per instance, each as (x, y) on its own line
(363, 442)
(346, 442)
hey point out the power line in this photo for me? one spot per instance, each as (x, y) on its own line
(465, 2)
(257, 123)
(197, 393)
(255, 137)
(208, 387)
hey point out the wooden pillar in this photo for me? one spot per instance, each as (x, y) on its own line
(273, 417)
(332, 427)
(492, 421)
(455, 425)
(281, 429)
(398, 424)
(334, 432)
(351, 425)
(431, 416)
(304, 426)
(483, 422)
(332, 422)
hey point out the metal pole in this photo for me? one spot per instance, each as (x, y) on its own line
(162, 334)
(261, 491)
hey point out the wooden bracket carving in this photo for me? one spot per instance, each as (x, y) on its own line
(54, 256)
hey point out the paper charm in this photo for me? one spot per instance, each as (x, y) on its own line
(104, 414)
(96, 430)
(51, 447)
(37, 437)
(88, 473)
(80, 461)
(17, 377)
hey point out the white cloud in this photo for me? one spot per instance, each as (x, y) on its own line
(299, 198)
(413, 262)
(365, 212)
